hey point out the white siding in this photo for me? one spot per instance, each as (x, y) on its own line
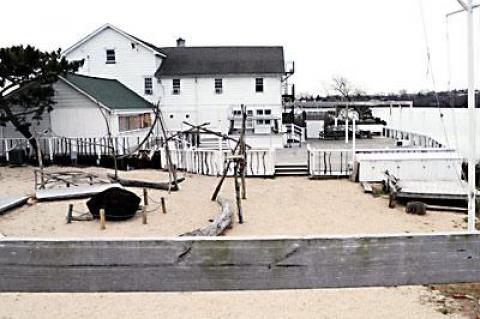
(75, 115)
(132, 64)
(198, 100)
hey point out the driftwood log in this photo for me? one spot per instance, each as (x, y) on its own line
(219, 224)
(141, 183)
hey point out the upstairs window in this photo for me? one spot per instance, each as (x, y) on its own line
(176, 86)
(259, 85)
(110, 56)
(148, 84)
(218, 86)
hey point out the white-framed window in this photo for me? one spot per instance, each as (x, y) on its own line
(176, 86)
(259, 85)
(148, 85)
(218, 86)
(259, 112)
(134, 122)
(260, 122)
(268, 112)
(110, 56)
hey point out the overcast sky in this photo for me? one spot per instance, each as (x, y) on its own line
(378, 44)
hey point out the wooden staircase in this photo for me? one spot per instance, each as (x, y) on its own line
(291, 169)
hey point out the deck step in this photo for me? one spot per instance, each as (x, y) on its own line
(291, 169)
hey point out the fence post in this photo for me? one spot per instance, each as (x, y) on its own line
(6, 151)
(50, 149)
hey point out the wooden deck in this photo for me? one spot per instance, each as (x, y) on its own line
(451, 190)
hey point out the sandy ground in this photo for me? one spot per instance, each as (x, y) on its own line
(372, 303)
(281, 206)
(288, 206)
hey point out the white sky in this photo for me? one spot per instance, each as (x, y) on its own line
(377, 44)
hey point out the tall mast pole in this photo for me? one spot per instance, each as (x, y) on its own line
(471, 116)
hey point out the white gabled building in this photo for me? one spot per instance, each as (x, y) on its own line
(194, 84)
(109, 52)
(86, 107)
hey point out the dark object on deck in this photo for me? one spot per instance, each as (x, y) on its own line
(17, 157)
(416, 208)
(119, 204)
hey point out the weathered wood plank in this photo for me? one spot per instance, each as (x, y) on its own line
(189, 264)
(73, 192)
(10, 202)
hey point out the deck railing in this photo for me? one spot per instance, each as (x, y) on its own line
(52, 147)
(329, 162)
(260, 162)
(416, 139)
(339, 162)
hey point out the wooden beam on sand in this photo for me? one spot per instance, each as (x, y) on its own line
(219, 225)
(237, 263)
(73, 192)
(11, 202)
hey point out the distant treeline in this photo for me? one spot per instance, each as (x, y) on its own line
(455, 98)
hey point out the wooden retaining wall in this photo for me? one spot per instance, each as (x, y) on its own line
(200, 264)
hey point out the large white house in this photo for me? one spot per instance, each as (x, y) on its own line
(193, 84)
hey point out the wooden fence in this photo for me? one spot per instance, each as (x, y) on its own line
(73, 148)
(201, 264)
(260, 162)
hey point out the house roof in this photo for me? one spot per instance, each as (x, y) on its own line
(110, 93)
(221, 60)
(145, 44)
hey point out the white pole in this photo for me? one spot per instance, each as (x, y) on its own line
(353, 139)
(471, 113)
(346, 123)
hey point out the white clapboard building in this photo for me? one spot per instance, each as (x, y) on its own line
(194, 84)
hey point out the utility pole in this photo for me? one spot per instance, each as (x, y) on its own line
(468, 8)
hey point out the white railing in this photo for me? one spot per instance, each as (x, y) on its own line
(329, 162)
(339, 162)
(415, 139)
(77, 147)
(260, 162)
(294, 134)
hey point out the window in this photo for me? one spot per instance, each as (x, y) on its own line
(176, 86)
(110, 56)
(134, 122)
(148, 83)
(268, 112)
(260, 122)
(267, 122)
(259, 112)
(218, 86)
(259, 85)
